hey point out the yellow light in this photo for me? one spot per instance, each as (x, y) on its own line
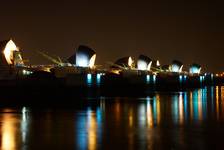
(130, 62)
(181, 68)
(115, 71)
(92, 61)
(8, 51)
(149, 66)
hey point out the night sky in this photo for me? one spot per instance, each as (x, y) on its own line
(165, 30)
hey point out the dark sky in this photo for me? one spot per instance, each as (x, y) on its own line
(190, 31)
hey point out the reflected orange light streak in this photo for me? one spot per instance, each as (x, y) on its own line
(117, 110)
(149, 115)
(217, 101)
(222, 99)
(158, 108)
(130, 118)
(200, 114)
(181, 109)
(92, 127)
(8, 133)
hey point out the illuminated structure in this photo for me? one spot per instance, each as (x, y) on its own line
(157, 63)
(84, 57)
(10, 54)
(144, 63)
(195, 69)
(176, 66)
(126, 62)
(166, 68)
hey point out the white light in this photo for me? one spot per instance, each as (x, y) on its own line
(82, 60)
(142, 65)
(157, 63)
(147, 78)
(175, 68)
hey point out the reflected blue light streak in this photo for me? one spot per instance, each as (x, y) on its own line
(212, 77)
(201, 79)
(180, 79)
(185, 106)
(89, 79)
(195, 105)
(147, 79)
(81, 132)
(175, 109)
(154, 109)
(98, 79)
(185, 78)
(154, 79)
(204, 102)
(212, 97)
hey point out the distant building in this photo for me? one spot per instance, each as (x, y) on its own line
(195, 69)
(10, 54)
(176, 66)
(144, 63)
(166, 68)
(84, 57)
(126, 62)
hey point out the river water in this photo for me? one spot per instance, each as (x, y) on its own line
(166, 120)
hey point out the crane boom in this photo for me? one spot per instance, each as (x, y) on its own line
(50, 58)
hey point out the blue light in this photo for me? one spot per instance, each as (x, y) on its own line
(195, 69)
(185, 78)
(89, 79)
(181, 78)
(147, 79)
(185, 105)
(98, 79)
(201, 79)
(154, 79)
(154, 108)
(175, 68)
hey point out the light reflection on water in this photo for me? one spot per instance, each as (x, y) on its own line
(183, 119)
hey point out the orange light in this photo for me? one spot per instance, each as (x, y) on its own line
(8, 51)
(92, 61)
(130, 62)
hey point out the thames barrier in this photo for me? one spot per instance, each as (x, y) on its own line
(80, 73)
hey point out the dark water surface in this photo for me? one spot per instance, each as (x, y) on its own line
(178, 120)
